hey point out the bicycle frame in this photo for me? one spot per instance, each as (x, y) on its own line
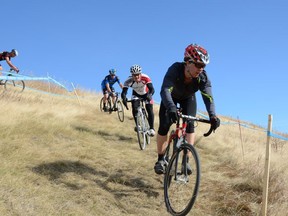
(142, 124)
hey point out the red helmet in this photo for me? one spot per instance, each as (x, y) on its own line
(196, 53)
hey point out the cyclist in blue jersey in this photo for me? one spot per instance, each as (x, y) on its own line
(107, 86)
(180, 83)
(7, 57)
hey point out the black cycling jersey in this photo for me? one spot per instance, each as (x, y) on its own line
(173, 87)
(3, 55)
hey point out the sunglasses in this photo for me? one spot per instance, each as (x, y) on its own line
(197, 65)
(134, 75)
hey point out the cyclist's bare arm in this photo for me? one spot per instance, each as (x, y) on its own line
(11, 65)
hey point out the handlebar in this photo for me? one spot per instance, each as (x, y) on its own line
(133, 99)
(188, 117)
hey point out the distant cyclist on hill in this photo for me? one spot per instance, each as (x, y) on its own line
(142, 88)
(107, 86)
(7, 57)
(179, 85)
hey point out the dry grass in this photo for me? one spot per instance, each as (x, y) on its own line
(60, 158)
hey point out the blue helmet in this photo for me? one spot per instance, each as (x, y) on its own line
(112, 72)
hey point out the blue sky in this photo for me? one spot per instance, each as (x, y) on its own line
(79, 41)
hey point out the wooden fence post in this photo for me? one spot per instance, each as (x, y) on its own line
(241, 138)
(267, 167)
(76, 93)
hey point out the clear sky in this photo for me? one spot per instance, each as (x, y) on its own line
(79, 41)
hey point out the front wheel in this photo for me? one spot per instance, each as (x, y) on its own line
(14, 85)
(120, 110)
(141, 135)
(182, 180)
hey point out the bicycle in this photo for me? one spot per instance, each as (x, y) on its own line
(16, 84)
(142, 125)
(117, 106)
(182, 176)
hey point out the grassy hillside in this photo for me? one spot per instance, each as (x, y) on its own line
(60, 158)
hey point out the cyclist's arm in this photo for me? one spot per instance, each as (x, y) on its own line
(206, 92)
(11, 65)
(124, 92)
(108, 87)
(150, 88)
(167, 87)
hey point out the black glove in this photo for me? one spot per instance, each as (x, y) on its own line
(172, 114)
(124, 101)
(148, 97)
(215, 122)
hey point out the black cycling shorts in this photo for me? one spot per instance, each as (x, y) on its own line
(189, 107)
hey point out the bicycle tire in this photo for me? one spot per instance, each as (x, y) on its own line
(15, 85)
(140, 131)
(120, 111)
(181, 189)
(102, 104)
(109, 106)
(147, 127)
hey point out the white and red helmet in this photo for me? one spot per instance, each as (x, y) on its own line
(197, 54)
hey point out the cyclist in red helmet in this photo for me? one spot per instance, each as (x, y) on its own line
(7, 57)
(179, 85)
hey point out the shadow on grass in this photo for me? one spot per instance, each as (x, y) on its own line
(131, 184)
(127, 185)
(102, 133)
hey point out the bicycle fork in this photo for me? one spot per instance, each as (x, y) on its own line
(180, 173)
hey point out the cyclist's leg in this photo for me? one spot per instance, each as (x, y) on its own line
(113, 95)
(164, 126)
(1, 70)
(189, 107)
(149, 109)
(105, 98)
(135, 105)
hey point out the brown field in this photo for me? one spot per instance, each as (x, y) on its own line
(60, 155)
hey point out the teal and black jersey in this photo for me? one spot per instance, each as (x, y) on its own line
(174, 87)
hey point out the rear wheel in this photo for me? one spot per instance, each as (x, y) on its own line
(146, 129)
(181, 186)
(14, 85)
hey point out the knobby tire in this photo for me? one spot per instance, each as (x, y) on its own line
(140, 133)
(180, 189)
(120, 110)
(15, 85)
